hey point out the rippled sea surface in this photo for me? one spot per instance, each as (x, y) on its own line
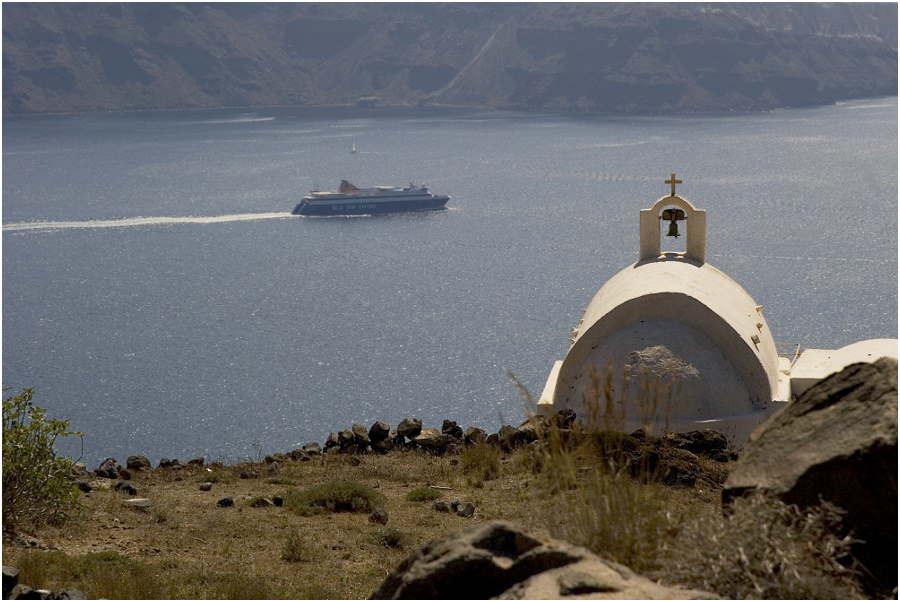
(157, 293)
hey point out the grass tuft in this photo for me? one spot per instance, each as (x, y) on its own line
(482, 462)
(294, 549)
(390, 538)
(423, 494)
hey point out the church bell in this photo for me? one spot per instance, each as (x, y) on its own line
(673, 215)
(673, 229)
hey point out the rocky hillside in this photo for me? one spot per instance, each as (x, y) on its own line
(614, 57)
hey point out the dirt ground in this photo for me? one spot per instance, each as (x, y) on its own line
(341, 555)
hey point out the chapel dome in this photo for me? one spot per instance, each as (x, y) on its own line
(693, 344)
(681, 323)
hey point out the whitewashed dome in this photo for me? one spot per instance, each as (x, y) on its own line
(695, 344)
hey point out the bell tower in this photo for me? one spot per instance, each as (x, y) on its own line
(672, 209)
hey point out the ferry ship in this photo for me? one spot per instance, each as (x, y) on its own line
(350, 200)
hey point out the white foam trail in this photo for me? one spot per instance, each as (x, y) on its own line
(141, 221)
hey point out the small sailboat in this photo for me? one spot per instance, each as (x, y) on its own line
(353, 149)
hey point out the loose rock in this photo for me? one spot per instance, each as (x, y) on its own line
(137, 462)
(312, 448)
(409, 428)
(452, 430)
(10, 579)
(111, 469)
(379, 432)
(837, 443)
(496, 558)
(124, 487)
(465, 509)
(527, 431)
(360, 436)
(509, 438)
(475, 435)
(300, 455)
(384, 446)
(431, 439)
(346, 441)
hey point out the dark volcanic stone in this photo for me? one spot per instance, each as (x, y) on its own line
(10, 579)
(137, 462)
(409, 428)
(379, 432)
(451, 429)
(379, 515)
(837, 443)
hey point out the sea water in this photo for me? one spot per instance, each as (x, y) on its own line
(157, 293)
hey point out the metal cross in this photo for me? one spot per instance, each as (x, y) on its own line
(673, 181)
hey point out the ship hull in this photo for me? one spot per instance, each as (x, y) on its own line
(362, 206)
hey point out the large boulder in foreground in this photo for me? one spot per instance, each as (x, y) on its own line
(498, 559)
(836, 443)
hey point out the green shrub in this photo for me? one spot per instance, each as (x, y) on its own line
(36, 483)
(334, 496)
(423, 494)
(294, 549)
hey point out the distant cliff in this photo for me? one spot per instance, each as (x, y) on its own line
(638, 58)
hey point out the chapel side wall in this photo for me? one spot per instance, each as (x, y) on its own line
(662, 306)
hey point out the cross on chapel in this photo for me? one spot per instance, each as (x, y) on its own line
(673, 181)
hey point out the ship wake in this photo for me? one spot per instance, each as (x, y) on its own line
(140, 221)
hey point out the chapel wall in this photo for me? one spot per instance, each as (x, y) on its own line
(660, 309)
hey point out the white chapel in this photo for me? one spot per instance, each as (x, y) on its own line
(672, 344)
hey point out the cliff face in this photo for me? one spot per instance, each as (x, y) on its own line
(569, 57)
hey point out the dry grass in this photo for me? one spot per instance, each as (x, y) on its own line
(764, 549)
(188, 547)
